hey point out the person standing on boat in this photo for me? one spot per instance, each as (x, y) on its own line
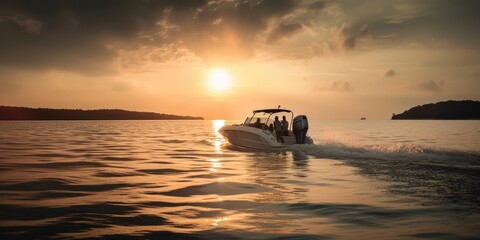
(284, 126)
(277, 125)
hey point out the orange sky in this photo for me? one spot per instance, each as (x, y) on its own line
(325, 59)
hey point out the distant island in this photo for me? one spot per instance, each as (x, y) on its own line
(448, 110)
(24, 113)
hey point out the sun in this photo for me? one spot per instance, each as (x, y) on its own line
(219, 80)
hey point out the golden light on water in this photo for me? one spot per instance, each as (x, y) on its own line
(217, 143)
(217, 221)
(217, 124)
(218, 140)
(219, 80)
(215, 164)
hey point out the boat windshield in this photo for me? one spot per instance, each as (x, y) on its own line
(279, 115)
(267, 118)
(251, 120)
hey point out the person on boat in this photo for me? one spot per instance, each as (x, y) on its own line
(284, 126)
(257, 124)
(277, 125)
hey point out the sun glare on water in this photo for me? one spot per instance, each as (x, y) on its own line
(219, 80)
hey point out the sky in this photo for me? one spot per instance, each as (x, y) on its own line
(325, 59)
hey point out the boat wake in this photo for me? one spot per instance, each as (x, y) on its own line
(439, 176)
(390, 152)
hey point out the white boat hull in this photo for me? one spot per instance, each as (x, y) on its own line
(250, 137)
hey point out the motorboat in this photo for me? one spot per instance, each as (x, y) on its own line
(257, 131)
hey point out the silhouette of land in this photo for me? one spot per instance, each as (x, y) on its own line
(449, 110)
(24, 113)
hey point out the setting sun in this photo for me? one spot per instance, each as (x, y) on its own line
(219, 79)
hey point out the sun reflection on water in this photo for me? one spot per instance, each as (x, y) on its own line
(216, 164)
(218, 141)
(217, 124)
(217, 221)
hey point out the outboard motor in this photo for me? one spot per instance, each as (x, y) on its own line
(300, 128)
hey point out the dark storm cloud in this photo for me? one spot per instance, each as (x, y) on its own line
(88, 35)
(283, 31)
(92, 36)
(75, 35)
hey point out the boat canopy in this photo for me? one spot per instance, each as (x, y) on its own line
(272, 110)
(267, 121)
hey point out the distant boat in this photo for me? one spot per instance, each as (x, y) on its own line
(363, 118)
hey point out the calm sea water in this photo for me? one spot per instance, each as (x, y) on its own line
(180, 180)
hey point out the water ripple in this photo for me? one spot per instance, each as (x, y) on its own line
(61, 184)
(181, 180)
(220, 188)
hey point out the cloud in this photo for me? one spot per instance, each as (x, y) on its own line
(336, 86)
(404, 12)
(89, 36)
(283, 30)
(390, 73)
(430, 86)
(337, 40)
(77, 35)
(230, 31)
(341, 86)
(348, 35)
(317, 5)
(102, 37)
(347, 38)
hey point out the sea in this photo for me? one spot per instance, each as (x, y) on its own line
(180, 180)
